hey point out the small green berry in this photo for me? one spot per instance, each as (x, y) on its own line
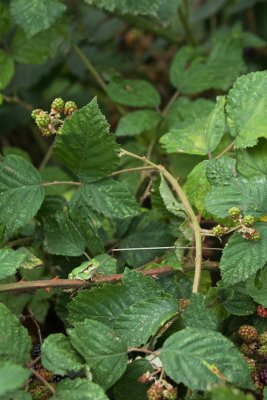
(36, 112)
(263, 338)
(218, 230)
(170, 394)
(262, 351)
(42, 120)
(247, 349)
(58, 105)
(251, 364)
(46, 132)
(234, 213)
(70, 107)
(255, 235)
(248, 220)
(155, 392)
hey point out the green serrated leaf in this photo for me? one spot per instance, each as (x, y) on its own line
(104, 352)
(184, 112)
(37, 49)
(169, 200)
(199, 358)
(128, 387)
(245, 109)
(197, 186)
(253, 162)
(30, 260)
(221, 171)
(78, 389)
(249, 196)
(7, 69)
(21, 192)
(59, 356)
(15, 343)
(110, 198)
(36, 16)
(10, 261)
(201, 137)
(96, 303)
(136, 122)
(240, 303)
(62, 236)
(242, 258)
(259, 294)
(143, 7)
(197, 315)
(12, 376)
(143, 319)
(86, 146)
(193, 72)
(135, 93)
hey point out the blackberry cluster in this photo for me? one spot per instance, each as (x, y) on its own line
(254, 350)
(51, 123)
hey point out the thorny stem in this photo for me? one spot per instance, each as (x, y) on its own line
(16, 100)
(188, 209)
(76, 284)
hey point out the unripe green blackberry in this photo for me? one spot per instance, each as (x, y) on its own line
(46, 132)
(36, 112)
(60, 130)
(248, 333)
(255, 235)
(155, 392)
(170, 394)
(218, 230)
(262, 351)
(58, 105)
(234, 213)
(69, 108)
(248, 220)
(263, 338)
(42, 120)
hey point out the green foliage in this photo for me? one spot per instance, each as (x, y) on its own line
(198, 357)
(15, 342)
(10, 260)
(102, 349)
(242, 258)
(7, 69)
(12, 376)
(245, 109)
(136, 122)
(86, 146)
(36, 16)
(59, 356)
(79, 389)
(21, 192)
(134, 93)
(201, 137)
(110, 198)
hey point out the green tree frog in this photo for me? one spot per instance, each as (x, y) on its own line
(85, 271)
